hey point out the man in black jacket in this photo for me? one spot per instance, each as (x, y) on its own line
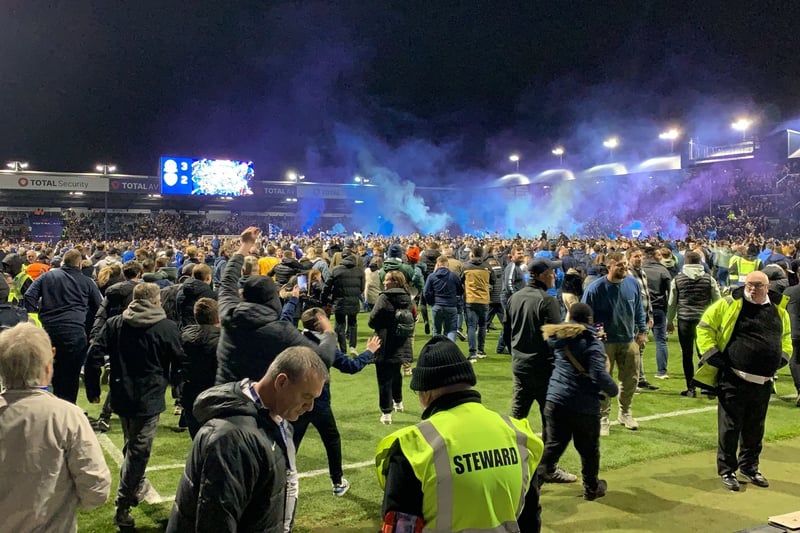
(199, 367)
(343, 289)
(196, 287)
(144, 349)
(658, 283)
(65, 300)
(529, 309)
(252, 333)
(235, 475)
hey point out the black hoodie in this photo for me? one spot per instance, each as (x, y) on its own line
(188, 294)
(253, 335)
(345, 286)
(237, 463)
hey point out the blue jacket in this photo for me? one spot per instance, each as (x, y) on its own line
(442, 288)
(577, 390)
(618, 306)
(63, 297)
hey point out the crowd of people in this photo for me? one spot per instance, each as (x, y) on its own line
(208, 316)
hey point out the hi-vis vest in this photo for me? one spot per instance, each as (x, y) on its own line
(15, 289)
(474, 465)
(745, 267)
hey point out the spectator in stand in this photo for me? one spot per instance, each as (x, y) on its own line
(616, 302)
(199, 366)
(50, 460)
(252, 334)
(144, 351)
(572, 408)
(65, 301)
(691, 292)
(343, 291)
(198, 286)
(396, 338)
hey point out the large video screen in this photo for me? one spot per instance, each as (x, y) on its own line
(208, 177)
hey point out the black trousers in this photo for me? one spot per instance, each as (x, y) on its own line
(794, 364)
(390, 385)
(741, 413)
(583, 429)
(71, 345)
(526, 389)
(321, 417)
(687, 335)
(346, 329)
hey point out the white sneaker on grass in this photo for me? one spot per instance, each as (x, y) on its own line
(605, 426)
(386, 418)
(398, 406)
(626, 419)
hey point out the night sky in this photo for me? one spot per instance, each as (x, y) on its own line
(446, 85)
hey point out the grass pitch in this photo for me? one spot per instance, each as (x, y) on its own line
(661, 478)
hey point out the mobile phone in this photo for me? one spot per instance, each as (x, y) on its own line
(600, 330)
(302, 282)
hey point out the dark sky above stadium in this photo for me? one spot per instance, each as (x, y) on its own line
(451, 85)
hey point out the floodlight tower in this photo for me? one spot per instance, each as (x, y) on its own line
(17, 166)
(611, 143)
(670, 135)
(559, 152)
(743, 124)
(514, 158)
(105, 168)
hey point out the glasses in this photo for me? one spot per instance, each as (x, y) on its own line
(755, 286)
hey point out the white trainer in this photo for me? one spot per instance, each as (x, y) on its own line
(605, 427)
(398, 406)
(386, 418)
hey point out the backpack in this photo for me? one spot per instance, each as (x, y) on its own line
(405, 323)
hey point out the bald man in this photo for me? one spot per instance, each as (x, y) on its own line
(747, 336)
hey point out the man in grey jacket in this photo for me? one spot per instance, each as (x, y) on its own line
(691, 292)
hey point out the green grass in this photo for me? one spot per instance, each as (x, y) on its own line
(661, 478)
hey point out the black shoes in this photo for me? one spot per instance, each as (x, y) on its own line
(427, 328)
(123, 518)
(598, 492)
(460, 335)
(755, 477)
(689, 393)
(645, 385)
(730, 482)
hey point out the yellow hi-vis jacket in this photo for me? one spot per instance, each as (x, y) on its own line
(474, 465)
(743, 267)
(716, 326)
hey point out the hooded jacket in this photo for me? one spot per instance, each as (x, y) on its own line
(285, 269)
(345, 286)
(252, 334)
(235, 475)
(778, 280)
(443, 288)
(144, 351)
(578, 390)
(691, 292)
(393, 349)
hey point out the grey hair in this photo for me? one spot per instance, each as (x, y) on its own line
(25, 352)
(296, 362)
(147, 291)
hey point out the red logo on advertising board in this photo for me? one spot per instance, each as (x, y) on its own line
(23, 182)
(115, 185)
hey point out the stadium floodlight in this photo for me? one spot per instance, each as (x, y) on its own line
(291, 175)
(611, 143)
(105, 168)
(357, 179)
(16, 166)
(670, 135)
(559, 151)
(514, 158)
(743, 124)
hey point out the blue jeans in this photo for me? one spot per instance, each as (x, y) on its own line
(445, 321)
(476, 327)
(660, 336)
(722, 276)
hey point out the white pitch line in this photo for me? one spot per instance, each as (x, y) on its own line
(152, 496)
